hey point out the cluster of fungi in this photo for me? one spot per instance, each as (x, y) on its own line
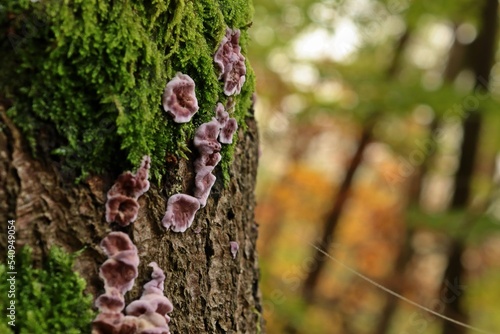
(148, 315)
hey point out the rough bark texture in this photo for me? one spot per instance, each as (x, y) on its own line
(211, 291)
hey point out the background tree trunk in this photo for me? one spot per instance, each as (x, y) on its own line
(211, 292)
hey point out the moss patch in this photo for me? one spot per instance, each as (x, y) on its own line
(48, 300)
(86, 76)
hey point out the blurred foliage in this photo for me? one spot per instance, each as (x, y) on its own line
(49, 299)
(323, 68)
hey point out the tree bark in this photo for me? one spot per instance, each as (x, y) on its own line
(211, 291)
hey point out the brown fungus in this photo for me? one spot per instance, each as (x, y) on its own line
(179, 98)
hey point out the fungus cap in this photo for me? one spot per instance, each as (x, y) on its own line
(181, 209)
(227, 132)
(205, 138)
(179, 98)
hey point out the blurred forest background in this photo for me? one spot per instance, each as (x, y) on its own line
(380, 137)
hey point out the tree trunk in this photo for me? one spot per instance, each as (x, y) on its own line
(211, 291)
(481, 55)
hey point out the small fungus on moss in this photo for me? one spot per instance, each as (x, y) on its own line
(228, 130)
(231, 62)
(221, 114)
(234, 248)
(205, 138)
(179, 98)
(204, 182)
(122, 206)
(181, 209)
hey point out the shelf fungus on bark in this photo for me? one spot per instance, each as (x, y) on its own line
(181, 209)
(230, 62)
(118, 272)
(152, 308)
(227, 131)
(228, 125)
(205, 137)
(121, 205)
(120, 269)
(204, 181)
(207, 161)
(179, 98)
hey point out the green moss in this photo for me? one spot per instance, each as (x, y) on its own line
(48, 300)
(89, 75)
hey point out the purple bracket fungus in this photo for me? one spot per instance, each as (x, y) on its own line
(112, 301)
(204, 181)
(181, 209)
(179, 99)
(120, 269)
(228, 130)
(118, 272)
(234, 248)
(152, 308)
(207, 160)
(205, 138)
(133, 185)
(221, 114)
(121, 209)
(122, 206)
(230, 62)
(114, 323)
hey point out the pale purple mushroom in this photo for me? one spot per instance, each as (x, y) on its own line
(234, 248)
(121, 209)
(114, 323)
(204, 181)
(132, 185)
(116, 242)
(179, 99)
(207, 160)
(112, 301)
(228, 130)
(181, 209)
(120, 269)
(118, 272)
(153, 306)
(205, 138)
(221, 114)
(230, 62)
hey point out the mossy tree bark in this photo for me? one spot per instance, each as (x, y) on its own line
(212, 292)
